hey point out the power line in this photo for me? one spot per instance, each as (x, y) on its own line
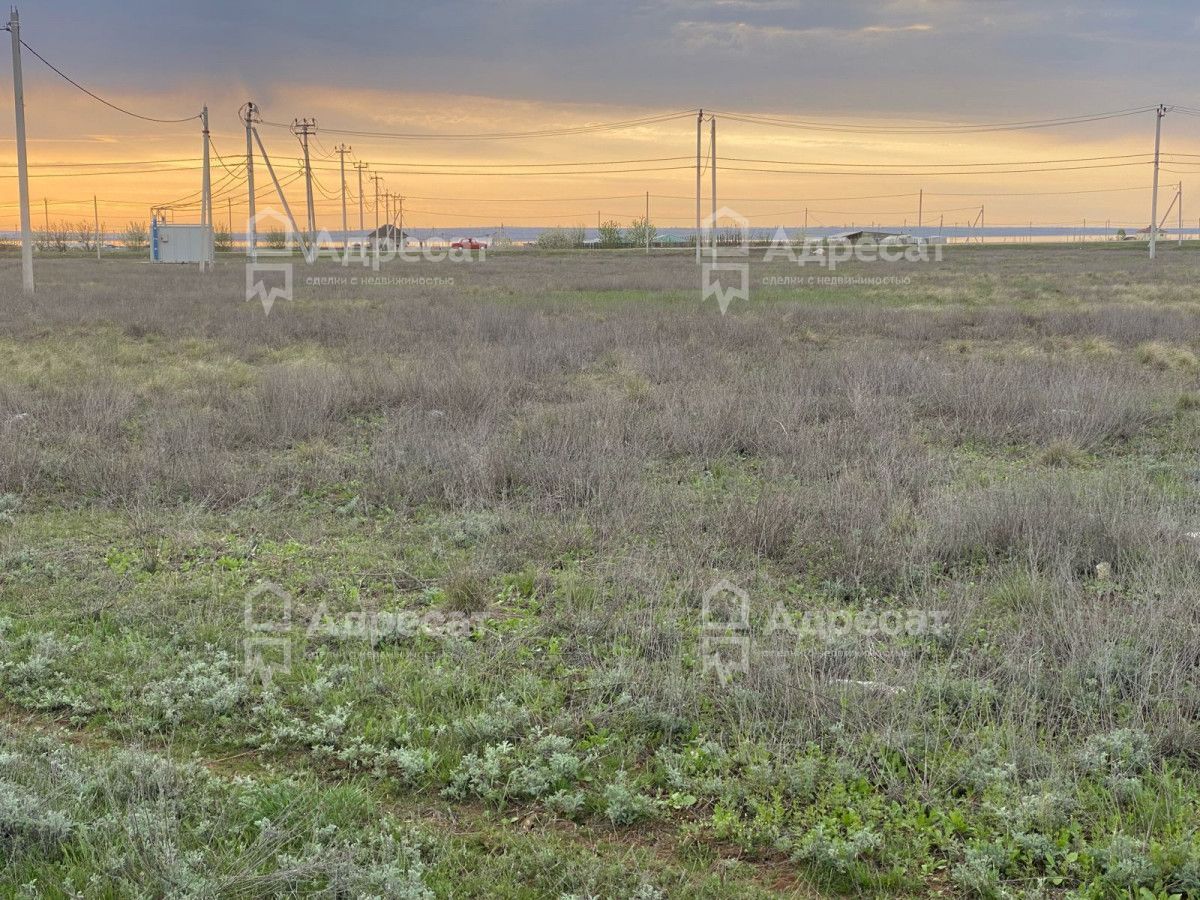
(934, 174)
(119, 162)
(97, 97)
(537, 165)
(1032, 193)
(506, 135)
(1015, 162)
(116, 172)
(960, 128)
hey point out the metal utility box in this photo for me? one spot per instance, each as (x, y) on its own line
(180, 243)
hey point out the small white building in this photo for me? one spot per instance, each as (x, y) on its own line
(180, 243)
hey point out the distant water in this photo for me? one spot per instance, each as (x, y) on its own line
(522, 234)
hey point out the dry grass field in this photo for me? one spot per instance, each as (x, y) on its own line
(569, 586)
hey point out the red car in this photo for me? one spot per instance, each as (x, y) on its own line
(468, 244)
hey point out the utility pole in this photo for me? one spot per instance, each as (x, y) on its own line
(376, 179)
(362, 226)
(1179, 197)
(341, 151)
(206, 212)
(229, 213)
(646, 222)
(14, 28)
(96, 219)
(46, 214)
(302, 128)
(712, 159)
(400, 235)
(699, 123)
(920, 208)
(1158, 117)
(249, 113)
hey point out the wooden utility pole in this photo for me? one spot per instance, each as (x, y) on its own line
(14, 28)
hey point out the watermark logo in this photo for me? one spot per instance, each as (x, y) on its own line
(711, 284)
(725, 631)
(861, 246)
(271, 281)
(256, 283)
(272, 625)
(280, 234)
(266, 645)
(729, 645)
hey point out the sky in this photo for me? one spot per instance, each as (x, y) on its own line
(434, 68)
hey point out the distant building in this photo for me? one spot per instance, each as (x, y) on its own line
(389, 237)
(1142, 234)
(670, 240)
(863, 236)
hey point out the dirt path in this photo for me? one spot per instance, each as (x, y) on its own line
(465, 820)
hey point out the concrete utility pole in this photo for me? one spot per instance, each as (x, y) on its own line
(375, 242)
(712, 160)
(14, 28)
(341, 151)
(206, 211)
(248, 115)
(699, 124)
(96, 219)
(646, 223)
(362, 225)
(920, 208)
(302, 128)
(1179, 197)
(304, 246)
(1158, 117)
(400, 207)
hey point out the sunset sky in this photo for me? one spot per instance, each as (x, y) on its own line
(525, 65)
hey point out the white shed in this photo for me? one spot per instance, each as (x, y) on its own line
(180, 243)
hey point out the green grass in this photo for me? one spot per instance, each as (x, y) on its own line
(574, 467)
